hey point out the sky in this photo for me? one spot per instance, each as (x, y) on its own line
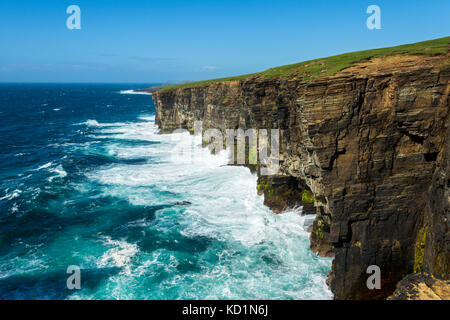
(168, 41)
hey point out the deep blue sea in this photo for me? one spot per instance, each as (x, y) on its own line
(86, 180)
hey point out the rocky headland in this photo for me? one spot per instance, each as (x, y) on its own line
(364, 144)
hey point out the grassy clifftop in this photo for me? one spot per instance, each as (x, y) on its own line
(312, 69)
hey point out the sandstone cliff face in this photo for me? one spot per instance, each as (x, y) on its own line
(372, 145)
(421, 286)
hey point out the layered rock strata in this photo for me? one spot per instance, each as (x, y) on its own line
(369, 146)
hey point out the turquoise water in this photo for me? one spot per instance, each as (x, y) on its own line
(86, 180)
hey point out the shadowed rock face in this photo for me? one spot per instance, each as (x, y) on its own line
(285, 192)
(372, 145)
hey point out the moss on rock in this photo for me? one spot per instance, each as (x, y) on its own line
(420, 249)
(307, 196)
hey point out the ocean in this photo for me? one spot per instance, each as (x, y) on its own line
(86, 180)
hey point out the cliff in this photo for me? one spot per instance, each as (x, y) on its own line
(365, 146)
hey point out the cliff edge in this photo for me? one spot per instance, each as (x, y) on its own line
(364, 144)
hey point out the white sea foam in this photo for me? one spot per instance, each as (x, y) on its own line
(20, 265)
(119, 255)
(134, 92)
(14, 208)
(20, 154)
(44, 166)
(60, 173)
(147, 118)
(225, 207)
(91, 123)
(11, 195)
(94, 123)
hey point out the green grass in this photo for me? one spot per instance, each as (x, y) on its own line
(206, 82)
(313, 69)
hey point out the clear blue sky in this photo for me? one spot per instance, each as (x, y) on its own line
(159, 41)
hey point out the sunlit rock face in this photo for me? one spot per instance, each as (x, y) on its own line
(421, 286)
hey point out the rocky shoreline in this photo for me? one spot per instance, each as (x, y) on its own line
(366, 149)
